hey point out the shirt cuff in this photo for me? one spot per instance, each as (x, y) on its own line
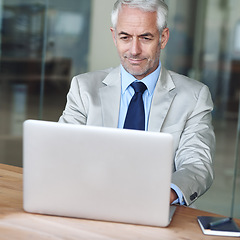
(180, 199)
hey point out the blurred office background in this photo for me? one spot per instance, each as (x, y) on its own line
(44, 43)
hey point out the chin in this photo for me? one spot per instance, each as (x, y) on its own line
(135, 71)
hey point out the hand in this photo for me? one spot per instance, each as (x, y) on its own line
(173, 196)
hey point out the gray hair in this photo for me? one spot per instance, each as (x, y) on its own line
(158, 6)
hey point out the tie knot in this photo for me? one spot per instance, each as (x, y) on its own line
(139, 87)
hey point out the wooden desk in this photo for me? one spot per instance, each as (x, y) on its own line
(16, 224)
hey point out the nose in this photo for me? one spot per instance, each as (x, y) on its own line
(135, 48)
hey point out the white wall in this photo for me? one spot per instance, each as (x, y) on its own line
(103, 53)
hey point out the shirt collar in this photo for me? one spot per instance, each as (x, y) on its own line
(150, 80)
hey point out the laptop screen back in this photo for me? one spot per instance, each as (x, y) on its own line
(97, 173)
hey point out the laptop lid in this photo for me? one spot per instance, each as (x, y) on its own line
(97, 173)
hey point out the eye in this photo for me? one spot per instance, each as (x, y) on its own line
(125, 38)
(146, 39)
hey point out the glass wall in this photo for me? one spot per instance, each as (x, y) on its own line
(204, 45)
(44, 43)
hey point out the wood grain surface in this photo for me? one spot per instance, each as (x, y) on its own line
(17, 224)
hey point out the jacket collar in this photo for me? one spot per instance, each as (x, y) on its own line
(163, 96)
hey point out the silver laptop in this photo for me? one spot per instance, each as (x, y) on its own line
(97, 173)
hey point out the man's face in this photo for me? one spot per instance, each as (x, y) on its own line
(138, 41)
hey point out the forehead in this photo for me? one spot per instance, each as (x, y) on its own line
(136, 21)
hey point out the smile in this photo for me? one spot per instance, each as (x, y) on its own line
(135, 61)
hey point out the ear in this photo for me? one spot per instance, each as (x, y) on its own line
(164, 38)
(113, 35)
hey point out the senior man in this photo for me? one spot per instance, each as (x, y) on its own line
(141, 94)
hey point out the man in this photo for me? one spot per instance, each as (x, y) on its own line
(173, 103)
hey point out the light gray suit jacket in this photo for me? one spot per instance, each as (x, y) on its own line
(180, 106)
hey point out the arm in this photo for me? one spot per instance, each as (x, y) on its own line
(193, 159)
(74, 111)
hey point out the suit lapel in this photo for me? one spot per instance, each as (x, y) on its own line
(163, 96)
(110, 96)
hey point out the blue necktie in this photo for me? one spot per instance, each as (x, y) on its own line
(135, 118)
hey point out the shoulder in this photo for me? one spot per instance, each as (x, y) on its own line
(189, 89)
(95, 76)
(185, 82)
(91, 80)
(188, 86)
